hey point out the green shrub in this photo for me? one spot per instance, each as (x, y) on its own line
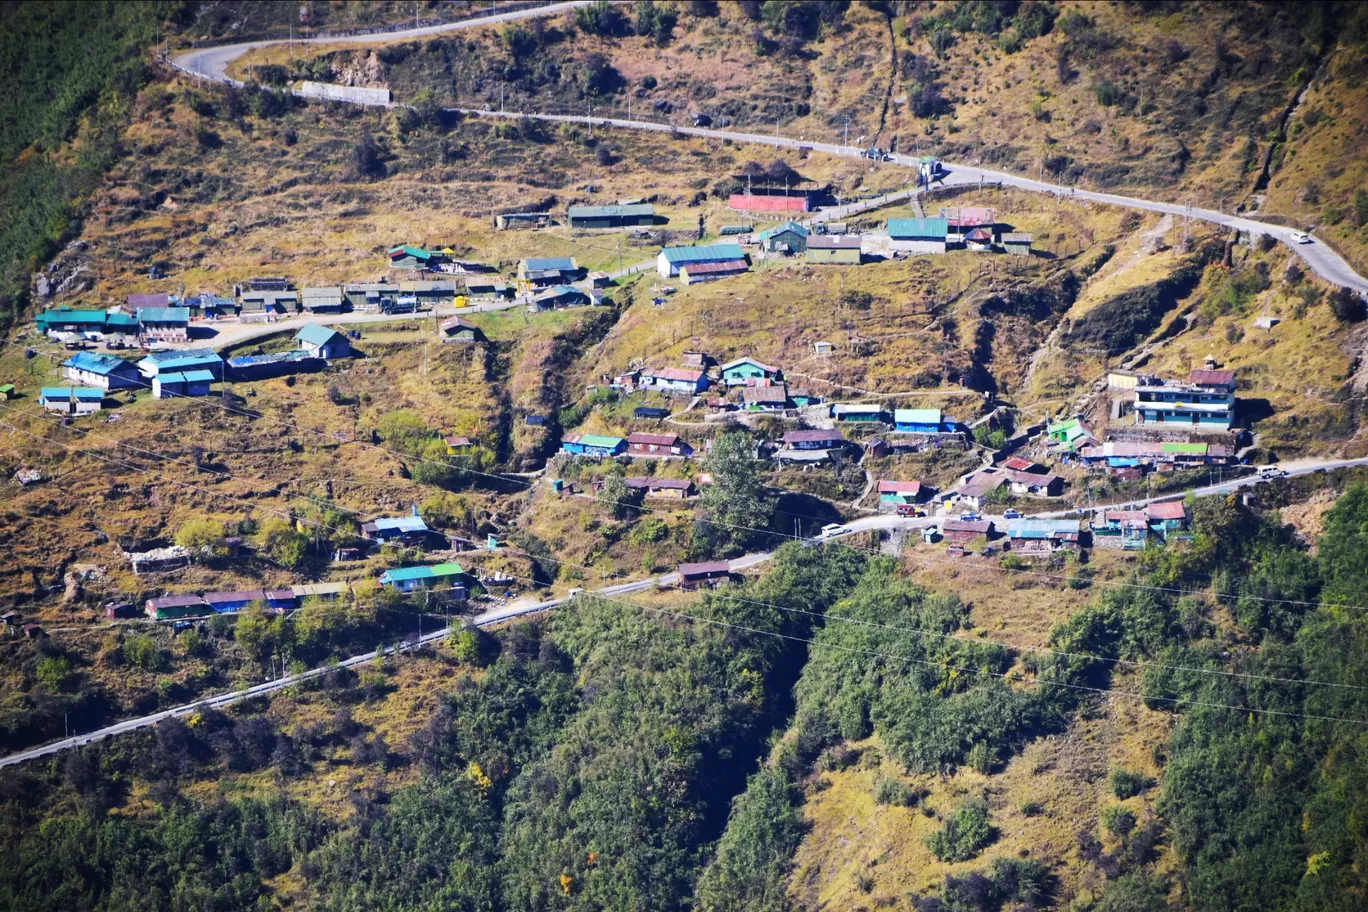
(964, 834)
(894, 792)
(1118, 819)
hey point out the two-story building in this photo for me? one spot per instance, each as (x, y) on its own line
(1205, 401)
(748, 372)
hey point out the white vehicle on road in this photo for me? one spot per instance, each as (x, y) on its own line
(1301, 237)
(1272, 471)
(831, 530)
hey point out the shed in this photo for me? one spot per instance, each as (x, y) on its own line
(834, 249)
(693, 273)
(71, 400)
(646, 413)
(672, 259)
(486, 286)
(328, 299)
(326, 591)
(440, 291)
(512, 221)
(323, 342)
(707, 573)
(236, 600)
(865, 414)
(458, 329)
(408, 579)
(1017, 243)
(410, 529)
(611, 216)
(175, 606)
(406, 257)
(181, 384)
(562, 296)
(1043, 534)
(963, 530)
(666, 488)
(917, 235)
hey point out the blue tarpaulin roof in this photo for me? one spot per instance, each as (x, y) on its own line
(199, 376)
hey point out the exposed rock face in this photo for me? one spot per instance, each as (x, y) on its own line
(361, 70)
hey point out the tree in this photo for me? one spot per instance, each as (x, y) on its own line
(1342, 551)
(52, 671)
(735, 507)
(1346, 305)
(447, 511)
(597, 76)
(602, 18)
(617, 497)
(282, 542)
(427, 108)
(520, 42)
(654, 21)
(1360, 208)
(366, 155)
(203, 536)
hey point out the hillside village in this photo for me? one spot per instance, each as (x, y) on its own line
(705, 489)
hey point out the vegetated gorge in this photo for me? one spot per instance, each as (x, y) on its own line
(890, 703)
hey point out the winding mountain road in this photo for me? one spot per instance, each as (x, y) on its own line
(212, 63)
(882, 522)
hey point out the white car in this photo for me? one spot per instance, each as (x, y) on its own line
(831, 530)
(1301, 237)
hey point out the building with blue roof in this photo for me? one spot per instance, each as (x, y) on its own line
(918, 235)
(165, 324)
(181, 384)
(539, 272)
(922, 421)
(278, 364)
(670, 260)
(105, 371)
(71, 400)
(323, 342)
(180, 361)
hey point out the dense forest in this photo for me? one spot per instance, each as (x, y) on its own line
(614, 756)
(71, 72)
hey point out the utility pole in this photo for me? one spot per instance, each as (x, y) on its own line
(845, 136)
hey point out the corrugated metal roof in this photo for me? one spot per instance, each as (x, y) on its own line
(1169, 509)
(793, 227)
(933, 228)
(539, 264)
(674, 373)
(834, 242)
(697, 269)
(740, 361)
(814, 436)
(703, 254)
(62, 315)
(633, 211)
(400, 523)
(899, 487)
(97, 363)
(1042, 528)
(150, 300)
(917, 416)
(66, 393)
(1212, 377)
(595, 440)
(163, 315)
(314, 334)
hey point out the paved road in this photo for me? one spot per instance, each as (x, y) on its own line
(233, 332)
(212, 63)
(882, 522)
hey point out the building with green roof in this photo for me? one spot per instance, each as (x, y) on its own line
(917, 235)
(790, 237)
(611, 216)
(408, 579)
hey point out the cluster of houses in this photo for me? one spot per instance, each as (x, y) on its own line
(1156, 523)
(967, 228)
(183, 372)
